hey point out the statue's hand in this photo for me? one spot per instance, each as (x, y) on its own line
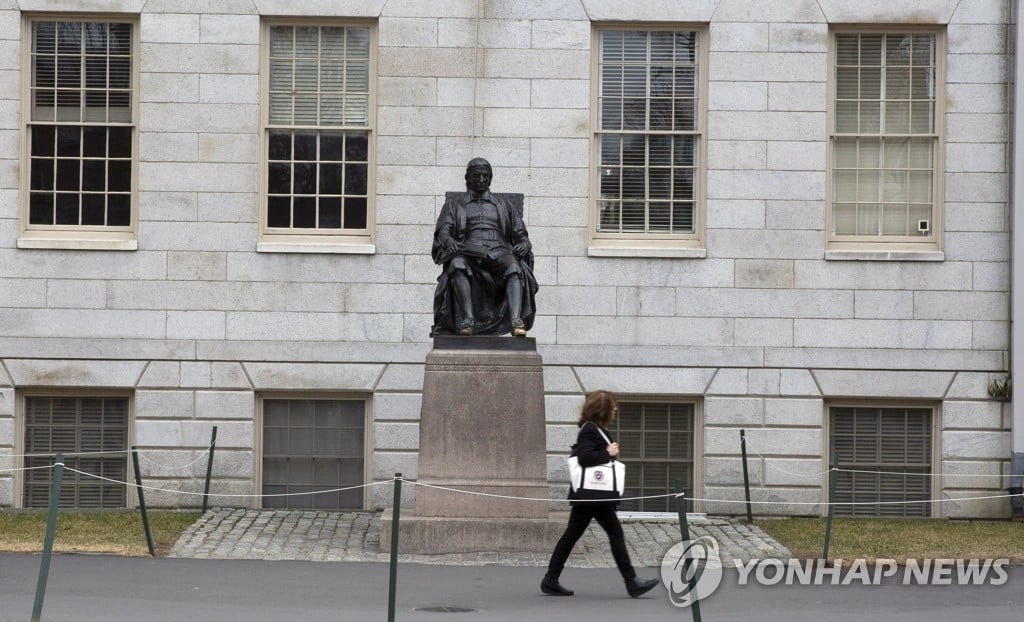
(451, 245)
(522, 249)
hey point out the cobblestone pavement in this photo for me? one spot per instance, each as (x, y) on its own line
(226, 533)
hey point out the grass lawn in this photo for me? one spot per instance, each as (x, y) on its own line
(900, 539)
(120, 533)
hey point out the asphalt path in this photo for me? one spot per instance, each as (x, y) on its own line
(100, 587)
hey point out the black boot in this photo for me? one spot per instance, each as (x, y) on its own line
(552, 587)
(638, 587)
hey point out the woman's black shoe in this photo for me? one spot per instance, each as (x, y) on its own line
(552, 587)
(637, 587)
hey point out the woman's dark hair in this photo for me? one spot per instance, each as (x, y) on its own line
(598, 407)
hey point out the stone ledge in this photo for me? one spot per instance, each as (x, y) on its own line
(440, 535)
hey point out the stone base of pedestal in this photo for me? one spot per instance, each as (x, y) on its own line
(438, 535)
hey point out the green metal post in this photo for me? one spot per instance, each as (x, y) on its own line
(684, 530)
(142, 502)
(396, 508)
(746, 475)
(831, 505)
(51, 530)
(209, 468)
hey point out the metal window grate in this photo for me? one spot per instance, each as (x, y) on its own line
(656, 441)
(77, 424)
(311, 445)
(894, 440)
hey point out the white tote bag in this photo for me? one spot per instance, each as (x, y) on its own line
(604, 481)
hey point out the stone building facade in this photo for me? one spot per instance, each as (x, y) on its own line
(813, 276)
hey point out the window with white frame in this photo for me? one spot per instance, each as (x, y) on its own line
(656, 443)
(885, 459)
(648, 136)
(92, 432)
(886, 139)
(318, 136)
(80, 128)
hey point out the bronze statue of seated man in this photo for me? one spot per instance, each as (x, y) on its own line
(487, 285)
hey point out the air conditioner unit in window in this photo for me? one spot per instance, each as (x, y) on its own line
(924, 226)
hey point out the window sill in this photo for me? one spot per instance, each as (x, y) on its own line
(316, 247)
(78, 244)
(882, 255)
(647, 251)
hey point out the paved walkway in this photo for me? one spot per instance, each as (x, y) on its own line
(226, 533)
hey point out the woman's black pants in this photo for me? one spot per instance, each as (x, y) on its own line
(579, 518)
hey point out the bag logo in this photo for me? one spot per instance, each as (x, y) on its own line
(598, 475)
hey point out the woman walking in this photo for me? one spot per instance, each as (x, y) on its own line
(593, 447)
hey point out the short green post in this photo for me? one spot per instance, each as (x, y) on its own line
(209, 468)
(396, 508)
(51, 530)
(746, 474)
(684, 529)
(832, 473)
(142, 502)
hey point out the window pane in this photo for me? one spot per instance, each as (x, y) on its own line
(330, 213)
(895, 96)
(355, 213)
(90, 63)
(319, 77)
(119, 210)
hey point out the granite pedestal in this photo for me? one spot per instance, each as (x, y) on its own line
(482, 430)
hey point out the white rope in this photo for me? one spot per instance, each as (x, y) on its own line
(926, 474)
(487, 494)
(202, 454)
(214, 494)
(771, 465)
(677, 495)
(545, 499)
(12, 470)
(850, 503)
(69, 454)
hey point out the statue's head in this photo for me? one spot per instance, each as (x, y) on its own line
(478, 175)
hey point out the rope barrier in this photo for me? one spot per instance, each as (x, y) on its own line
(769, 463)
(68, 454)
(925, 474)
(201, 455)
(12, 470)
(247, 496)
(538, 499)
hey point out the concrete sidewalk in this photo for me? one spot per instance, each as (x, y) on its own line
(88, 588)
(226, 533)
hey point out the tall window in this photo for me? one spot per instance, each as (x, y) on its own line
(648, 135)
(318, 133)
(884, 456)
(657, 445)
(80, 127)
(96, 428)
(885, 138)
